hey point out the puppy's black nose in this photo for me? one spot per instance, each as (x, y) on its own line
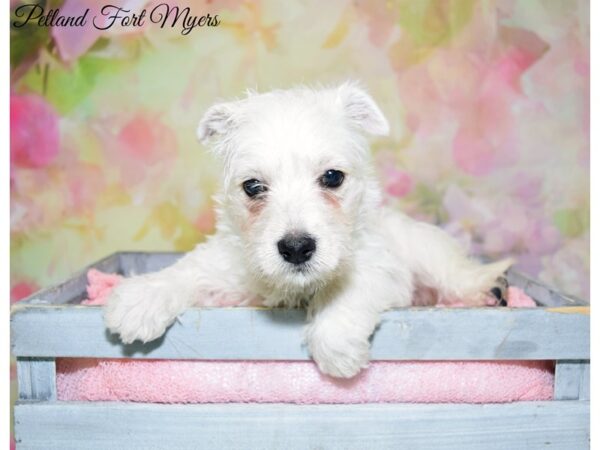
(296, 249)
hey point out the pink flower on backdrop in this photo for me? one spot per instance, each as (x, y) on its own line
(527, 188)
(143, 147)
(486, 139)
(84, 184)
(518, 230)
(21, 290)
(473, 152)
(146, 139)
(463, 208)
(34, 131)
(581, 66)
(504, 225)
(522, 220)
(542, 237)
(478, 90)
(398, 183)
(523, 48)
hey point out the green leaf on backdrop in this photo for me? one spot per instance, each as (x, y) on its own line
(430, 22)
(69, 86)
(572, 222)
(430, 200)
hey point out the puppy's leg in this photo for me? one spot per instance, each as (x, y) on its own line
(343, 319)
(439, 262)
(142, 307)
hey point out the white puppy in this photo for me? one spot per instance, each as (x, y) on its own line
(301, 222)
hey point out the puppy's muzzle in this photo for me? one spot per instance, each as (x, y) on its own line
(297, 248)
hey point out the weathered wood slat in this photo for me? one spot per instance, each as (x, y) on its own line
(544, 295)
(136, 263)
(584, 384)
(528, 425)
(572, 380)
(36, 378)
(73, 290)
(256, 333)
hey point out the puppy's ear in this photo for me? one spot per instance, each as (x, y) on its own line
(361, 110)
(217, 121)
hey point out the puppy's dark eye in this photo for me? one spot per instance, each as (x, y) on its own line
(332, 178)
(253, 187)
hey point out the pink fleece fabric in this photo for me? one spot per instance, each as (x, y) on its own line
(177, 381)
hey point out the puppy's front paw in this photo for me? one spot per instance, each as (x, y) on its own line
(339, 357)
(140, 308)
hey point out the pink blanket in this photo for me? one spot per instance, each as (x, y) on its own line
(179, 381)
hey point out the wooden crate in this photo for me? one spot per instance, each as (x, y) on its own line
(52, 324)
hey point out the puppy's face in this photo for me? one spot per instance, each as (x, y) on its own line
(297, 179)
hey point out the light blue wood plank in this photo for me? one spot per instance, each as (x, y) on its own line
(543, 294)
(255, 333)
(528, 425)
(136, 263)
(571, 380)
(584, 386)
(36, 378)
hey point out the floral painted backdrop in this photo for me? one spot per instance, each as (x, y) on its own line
(488, 102)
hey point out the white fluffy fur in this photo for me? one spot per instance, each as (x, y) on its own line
(368, 259)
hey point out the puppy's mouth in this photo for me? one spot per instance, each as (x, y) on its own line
(302, 269)
(308, 273)
(302, 273)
